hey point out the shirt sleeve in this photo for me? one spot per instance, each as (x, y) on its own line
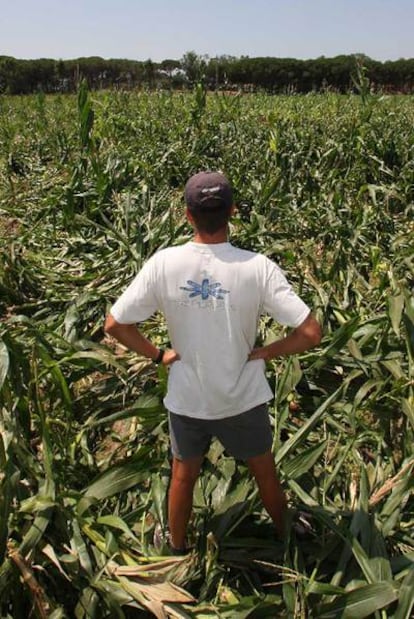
(139, 301)
(280, 300)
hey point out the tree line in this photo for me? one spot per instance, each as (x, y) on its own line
(274, 75)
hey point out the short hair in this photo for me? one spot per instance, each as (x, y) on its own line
(210, 221)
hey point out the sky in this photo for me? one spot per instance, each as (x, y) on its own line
(160, 29)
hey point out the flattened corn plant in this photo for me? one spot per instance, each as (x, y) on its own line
(90, 187)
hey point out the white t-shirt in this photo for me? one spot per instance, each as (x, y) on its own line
(212, 297)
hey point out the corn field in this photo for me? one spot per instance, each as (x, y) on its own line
(90, 187)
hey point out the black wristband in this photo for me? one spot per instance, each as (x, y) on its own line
(160, 356)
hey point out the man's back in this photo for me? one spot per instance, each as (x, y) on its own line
(212, 296)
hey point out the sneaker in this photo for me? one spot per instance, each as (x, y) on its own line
(163, 545)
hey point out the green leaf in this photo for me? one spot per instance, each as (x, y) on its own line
(159, 489)
(371, 387)
(395, 310)
(407, 406)
(299, 436)
(87, 607)
(248, 607)
(237, 495)
(402, 562)
(406, 596)
(71, 318)
(144, 405)
(176, 612)
(116, 522)
(81, 549)
(36, 503)
(359, 520)
(305, 460)
(289, 597)
(363, 560)
(41, 522)
(114, 594)
(394, 367)
(4, 362)
(103, 356)
(220, 492)
(322, 588)
(381, 567)
(337, 341)
(302, 495)
(120, 477)
(391, 509)
(232, 510)
(360, 603)
(8, 488)
(289, 378)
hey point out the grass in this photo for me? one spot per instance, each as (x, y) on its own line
(89, 188)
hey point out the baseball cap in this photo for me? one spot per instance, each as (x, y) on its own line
(208, 191)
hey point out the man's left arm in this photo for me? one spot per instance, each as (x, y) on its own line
(307, 335)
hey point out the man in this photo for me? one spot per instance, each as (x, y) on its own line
(212, 295)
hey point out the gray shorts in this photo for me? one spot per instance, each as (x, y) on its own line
(243, 436)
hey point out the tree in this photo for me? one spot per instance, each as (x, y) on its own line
(194, 66)
(149, 72)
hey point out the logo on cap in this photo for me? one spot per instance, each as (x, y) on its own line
(208, 190)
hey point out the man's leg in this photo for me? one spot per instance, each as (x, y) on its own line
(264, 471)
(180, 498)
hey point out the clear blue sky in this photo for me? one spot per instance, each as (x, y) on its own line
(159, 29)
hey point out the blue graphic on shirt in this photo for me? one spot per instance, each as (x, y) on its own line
(205, 290)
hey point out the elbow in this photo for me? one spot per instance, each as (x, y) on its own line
(110, 325)
(316, 335)
(311, 332)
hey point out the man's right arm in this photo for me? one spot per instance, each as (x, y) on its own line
(131, 337)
